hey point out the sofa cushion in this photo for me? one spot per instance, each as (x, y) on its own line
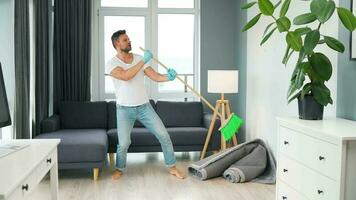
(112, 137)
(188, 135)
(139, 136)
(83, 115)
(179, 136)
(85, 145)
(180, 114)
(112, 115)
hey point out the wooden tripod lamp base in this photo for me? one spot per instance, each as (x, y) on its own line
(224, 106)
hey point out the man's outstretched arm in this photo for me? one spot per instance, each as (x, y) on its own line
(155, 76)
(127, 74)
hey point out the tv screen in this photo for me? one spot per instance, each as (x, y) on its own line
(5, 118)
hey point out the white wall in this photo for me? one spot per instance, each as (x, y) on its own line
(7, 56)
(268, 79)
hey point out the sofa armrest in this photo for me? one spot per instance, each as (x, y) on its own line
(215, 137)
(50, 124)
(207, 117)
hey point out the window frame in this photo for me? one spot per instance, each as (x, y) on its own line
(151, 42)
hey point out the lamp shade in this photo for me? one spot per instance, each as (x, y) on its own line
(223, 81)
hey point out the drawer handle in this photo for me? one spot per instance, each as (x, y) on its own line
(286, 142)
(49, 160)
(320, 192)
(25, 187)
(284, 197)
(321, 158)
(285, 170)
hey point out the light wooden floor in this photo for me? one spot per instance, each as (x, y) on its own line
(147, 178)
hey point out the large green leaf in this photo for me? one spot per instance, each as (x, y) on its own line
(295, 72)
(267, 28)
(287, 56)
(294, 41)
(304, 19)
(321, 42)
(266, 7)
(311, 40)
(317, 6)
(323, 9)
(267, 36)
(347, 18)
(292, 89)
(334, 44)
(251, 23)
(294, 97)
(306, 90)
(283, 24)
(321, 65)
(328, 11)
(321, 93)
(313, 76)
(284, 8)
(299, 79)
(302, 55)
(248, 5)
(302, 31)
(306, 66)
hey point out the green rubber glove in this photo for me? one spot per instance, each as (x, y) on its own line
(171, 74)
(147, 56)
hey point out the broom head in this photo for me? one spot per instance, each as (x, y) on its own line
(231, 126)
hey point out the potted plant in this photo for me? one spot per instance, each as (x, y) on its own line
(312, 93)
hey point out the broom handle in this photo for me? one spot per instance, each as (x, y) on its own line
(186, 84)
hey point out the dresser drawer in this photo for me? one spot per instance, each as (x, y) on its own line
(316, 154)
(16, 195)
(284, 192)
(306, 181)
(35, 177)
(49, 161)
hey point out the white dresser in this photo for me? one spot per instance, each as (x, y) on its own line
(22, 171)
(316, 160)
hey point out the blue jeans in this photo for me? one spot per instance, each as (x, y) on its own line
(126, 117)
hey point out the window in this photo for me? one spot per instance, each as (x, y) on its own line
(124, 3)
(169, 28)
(175, 3)
(175, 47)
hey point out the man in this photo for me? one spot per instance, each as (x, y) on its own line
(128, 72)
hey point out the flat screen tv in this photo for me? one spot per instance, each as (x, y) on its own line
(5, 118)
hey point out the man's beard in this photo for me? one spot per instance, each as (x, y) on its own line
(126, 50)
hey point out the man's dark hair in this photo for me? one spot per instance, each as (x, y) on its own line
(116, 35)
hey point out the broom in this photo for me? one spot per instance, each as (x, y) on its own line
(233, 122)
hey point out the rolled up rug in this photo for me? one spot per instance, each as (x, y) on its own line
(215, 165)
(248, 167)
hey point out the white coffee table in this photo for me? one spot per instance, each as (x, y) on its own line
(22, 171)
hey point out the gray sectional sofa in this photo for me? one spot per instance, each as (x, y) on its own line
(88, 131)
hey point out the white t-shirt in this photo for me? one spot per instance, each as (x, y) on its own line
(133, 91)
